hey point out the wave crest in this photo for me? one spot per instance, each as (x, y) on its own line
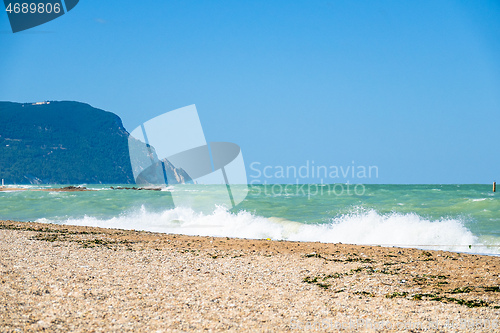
(358, 227)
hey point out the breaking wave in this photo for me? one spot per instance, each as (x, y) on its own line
(358, 227)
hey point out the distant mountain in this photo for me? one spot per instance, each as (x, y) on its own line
(65, 143)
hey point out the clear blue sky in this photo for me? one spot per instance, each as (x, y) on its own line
(412, 87)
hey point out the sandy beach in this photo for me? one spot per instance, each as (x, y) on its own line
(66, 278)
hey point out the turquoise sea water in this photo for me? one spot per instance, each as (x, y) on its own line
(445, 217)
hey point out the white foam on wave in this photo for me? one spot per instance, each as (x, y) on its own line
(359, 227)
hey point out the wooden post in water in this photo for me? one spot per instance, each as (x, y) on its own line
(494, 186)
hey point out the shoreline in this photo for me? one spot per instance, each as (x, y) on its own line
(60, 189)
(63, 277)
(72, 188)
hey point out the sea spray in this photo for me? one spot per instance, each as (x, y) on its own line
(444, 217)
(358, 227)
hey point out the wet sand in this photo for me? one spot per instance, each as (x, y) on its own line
(68, 278)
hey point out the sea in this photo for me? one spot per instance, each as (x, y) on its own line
(460, 218)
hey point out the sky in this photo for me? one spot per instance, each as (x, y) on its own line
(409, 87)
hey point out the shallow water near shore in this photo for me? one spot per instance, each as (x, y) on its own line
(463, 218)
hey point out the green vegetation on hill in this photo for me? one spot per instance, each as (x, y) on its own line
(62, 143)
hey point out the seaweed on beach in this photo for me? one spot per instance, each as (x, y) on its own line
(462, 290)
(85, 243)
(46, 229)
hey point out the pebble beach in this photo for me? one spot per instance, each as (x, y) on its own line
(62, 278)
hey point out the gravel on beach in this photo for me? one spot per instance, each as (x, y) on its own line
(61, 278)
